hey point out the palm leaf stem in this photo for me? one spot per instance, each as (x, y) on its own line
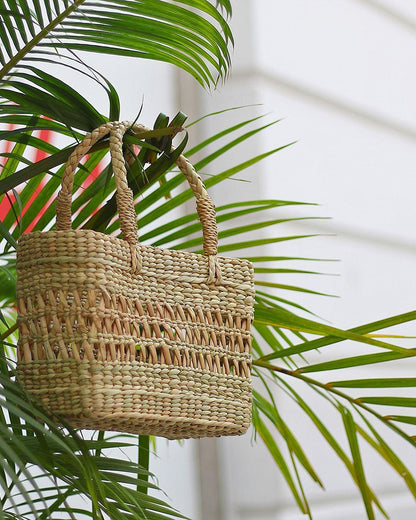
(39, 37)
(143, 461)
(9, 331)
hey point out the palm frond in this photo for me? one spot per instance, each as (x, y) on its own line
(39, 93)
(48, 466)
(191, 35)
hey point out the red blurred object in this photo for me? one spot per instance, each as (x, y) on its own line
(6, 202)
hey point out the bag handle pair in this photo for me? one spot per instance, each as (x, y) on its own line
(124, 195)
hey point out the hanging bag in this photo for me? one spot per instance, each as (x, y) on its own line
(116, 335)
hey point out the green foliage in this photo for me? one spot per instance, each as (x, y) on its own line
(192, 35)
(46, 466)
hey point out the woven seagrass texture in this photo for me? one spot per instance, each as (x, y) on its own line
(122, 336)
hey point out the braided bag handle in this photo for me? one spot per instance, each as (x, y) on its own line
(124, 195)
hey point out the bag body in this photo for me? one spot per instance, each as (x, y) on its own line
(115, 335)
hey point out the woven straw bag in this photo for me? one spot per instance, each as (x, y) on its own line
(115, 335)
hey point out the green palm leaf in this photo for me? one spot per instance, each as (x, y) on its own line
(39, 93)
(192, 35)
(69, 465)
(351, 431)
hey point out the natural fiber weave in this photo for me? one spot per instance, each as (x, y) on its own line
(115, 335)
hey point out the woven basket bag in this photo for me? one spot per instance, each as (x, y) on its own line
(116, 335)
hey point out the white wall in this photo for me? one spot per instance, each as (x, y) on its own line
(340, 73)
